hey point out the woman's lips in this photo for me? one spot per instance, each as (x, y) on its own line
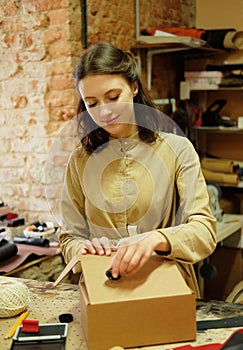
(111, 121)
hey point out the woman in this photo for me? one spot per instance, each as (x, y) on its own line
(130, 187)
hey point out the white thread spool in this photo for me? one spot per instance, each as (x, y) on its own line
(14, 297)
(240, 122)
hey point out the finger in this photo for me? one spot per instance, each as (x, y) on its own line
(98, 247)
(106, 244)
(129, 260)
(121, 260)
(133, 260)
(83, 251)
(115, 262)
(88, 246)
(114, 248)
(140, 264)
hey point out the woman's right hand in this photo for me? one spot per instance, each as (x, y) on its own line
(99, 246)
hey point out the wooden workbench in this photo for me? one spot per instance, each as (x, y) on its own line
(231, 224)
(230, 229)
(47, 303)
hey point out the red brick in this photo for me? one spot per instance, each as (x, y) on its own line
(33, 54)
(32, 6)
(62, 82)
(60, 98)
(59, 16)
(62, 114)
(55, 33)
(13, 40)
(59, 66)
(59, 49)
(10, 9)
(19, 101)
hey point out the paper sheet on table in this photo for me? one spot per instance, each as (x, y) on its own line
(171, 39)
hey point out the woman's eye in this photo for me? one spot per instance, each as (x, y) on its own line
(90, 105)
(114, 98)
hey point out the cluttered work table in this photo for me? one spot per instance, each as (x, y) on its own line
(47, 303)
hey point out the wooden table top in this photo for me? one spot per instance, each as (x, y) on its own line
(47, 303)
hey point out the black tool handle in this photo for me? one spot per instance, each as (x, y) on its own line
(216, 106)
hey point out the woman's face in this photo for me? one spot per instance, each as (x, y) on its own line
(109, 100)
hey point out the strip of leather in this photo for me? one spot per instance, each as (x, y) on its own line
(228, 322)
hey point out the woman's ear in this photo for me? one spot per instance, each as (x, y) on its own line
(135, 88)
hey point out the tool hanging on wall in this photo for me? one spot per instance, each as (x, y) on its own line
(84, 23)
(211, 116)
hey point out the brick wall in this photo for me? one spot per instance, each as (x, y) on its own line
(40, 42)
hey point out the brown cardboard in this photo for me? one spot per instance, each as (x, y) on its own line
(153, 306)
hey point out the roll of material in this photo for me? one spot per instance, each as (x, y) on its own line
(228, 38)
(222, 178)
(240, 122)
(42, 242)
(233, 40)
(220, 165)
(7, 249)
(14, 297)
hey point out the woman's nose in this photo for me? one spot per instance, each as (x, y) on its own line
(105, 110)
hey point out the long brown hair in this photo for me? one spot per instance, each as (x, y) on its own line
(104, 58)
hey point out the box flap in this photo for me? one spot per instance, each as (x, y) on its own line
(157, 278)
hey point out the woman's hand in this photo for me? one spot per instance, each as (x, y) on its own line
(134, 251)
(99, 246)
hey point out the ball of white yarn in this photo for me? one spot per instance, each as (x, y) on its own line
(14, 297)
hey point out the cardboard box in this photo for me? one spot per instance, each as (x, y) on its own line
(154, 306)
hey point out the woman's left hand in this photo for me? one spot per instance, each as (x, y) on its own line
(134, 251)
(99, 246)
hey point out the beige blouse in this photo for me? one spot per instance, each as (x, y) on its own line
(149, 186)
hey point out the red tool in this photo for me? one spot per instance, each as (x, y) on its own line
(30, 326)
